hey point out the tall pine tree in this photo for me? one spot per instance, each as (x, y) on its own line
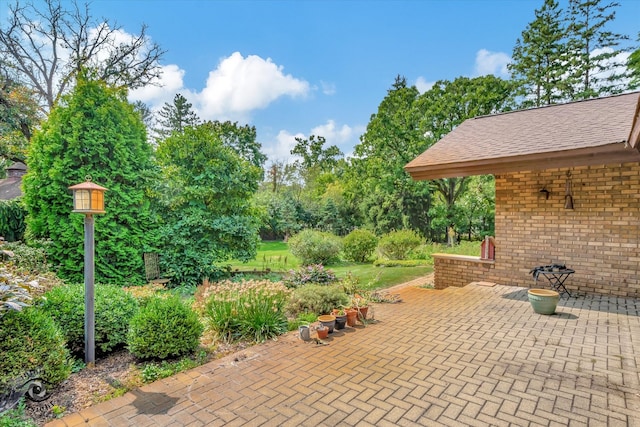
(597, 68)
(540, 58)
(175, 117)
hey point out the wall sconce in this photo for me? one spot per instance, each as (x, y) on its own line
(545, 192)
(568, 197)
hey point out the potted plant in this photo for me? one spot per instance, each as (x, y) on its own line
(361, 304)
(322, 331)
(341, 317)
(352, 316)
(328, 320)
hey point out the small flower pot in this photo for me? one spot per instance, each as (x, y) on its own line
(543, 301)
(323, 332)
(328, 320)
(362, 313)
(352, 317)
(341, 321)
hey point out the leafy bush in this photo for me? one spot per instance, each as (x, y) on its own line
(316, 299)
(29, 258)
(397, 244)
(359, 245)
(114, 308)
(12, 216)
(156, 371)
(247, 310)
(310, 274)
(164, 327)
(13, 296)
(16, 417)
(315, 247)
(31, 344)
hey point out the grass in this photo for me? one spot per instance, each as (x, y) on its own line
(276, 256)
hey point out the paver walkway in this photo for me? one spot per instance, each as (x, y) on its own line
(473, 356)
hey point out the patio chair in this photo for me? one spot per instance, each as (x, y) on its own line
(152, 269)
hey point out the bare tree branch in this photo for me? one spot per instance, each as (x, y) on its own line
(47, 47)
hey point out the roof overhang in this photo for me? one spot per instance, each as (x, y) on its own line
(602, 155)
(598, 131)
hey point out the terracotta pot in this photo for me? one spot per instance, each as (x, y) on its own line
(323, 332)
(543, 301)
(328, 320)
(352, 317)
(362, 313)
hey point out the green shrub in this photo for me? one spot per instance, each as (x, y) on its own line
(163, 328)
(14, 296)
(310, 274)
(315, 247)
(31, 344)
(16, 417)
(397, 244)
(316, 299)
(12, 219)
(29, 258)
(114, 308)
(359, 245)
(251, 310)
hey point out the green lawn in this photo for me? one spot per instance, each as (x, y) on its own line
(276, 256)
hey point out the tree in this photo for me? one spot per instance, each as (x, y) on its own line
(540, 58)
(314, 156)
(47, 46)
(18, 115)
(175, 117)
(206, 204)
(242, 139)
(633, 64)
(387, 196)
(92, 132)
(596, 69)
(445, 106)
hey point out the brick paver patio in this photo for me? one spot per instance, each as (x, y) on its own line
(472, 356)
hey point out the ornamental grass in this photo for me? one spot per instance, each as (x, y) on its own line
(247, 310)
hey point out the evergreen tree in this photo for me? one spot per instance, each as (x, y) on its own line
(540, 58)
(92, 132)
(175, 117)
(596, 69)
(633, 64)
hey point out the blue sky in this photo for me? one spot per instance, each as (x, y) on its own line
(295, 68)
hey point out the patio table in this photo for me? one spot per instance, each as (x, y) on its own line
(556, 275)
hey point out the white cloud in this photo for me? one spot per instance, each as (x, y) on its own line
(240, 85)
(423, 85)
(328, 88)
(164, 88)
(333, 134)
(491, 63)
(281, 148)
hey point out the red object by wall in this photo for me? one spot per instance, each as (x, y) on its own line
(488, 248)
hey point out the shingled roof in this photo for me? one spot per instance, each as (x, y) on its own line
(596, 131)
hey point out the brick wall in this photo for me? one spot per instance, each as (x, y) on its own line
(599, 238)
(457, 270)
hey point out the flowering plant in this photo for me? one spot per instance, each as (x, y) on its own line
(252, 309)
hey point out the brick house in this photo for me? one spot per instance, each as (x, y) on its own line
(590, 149)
